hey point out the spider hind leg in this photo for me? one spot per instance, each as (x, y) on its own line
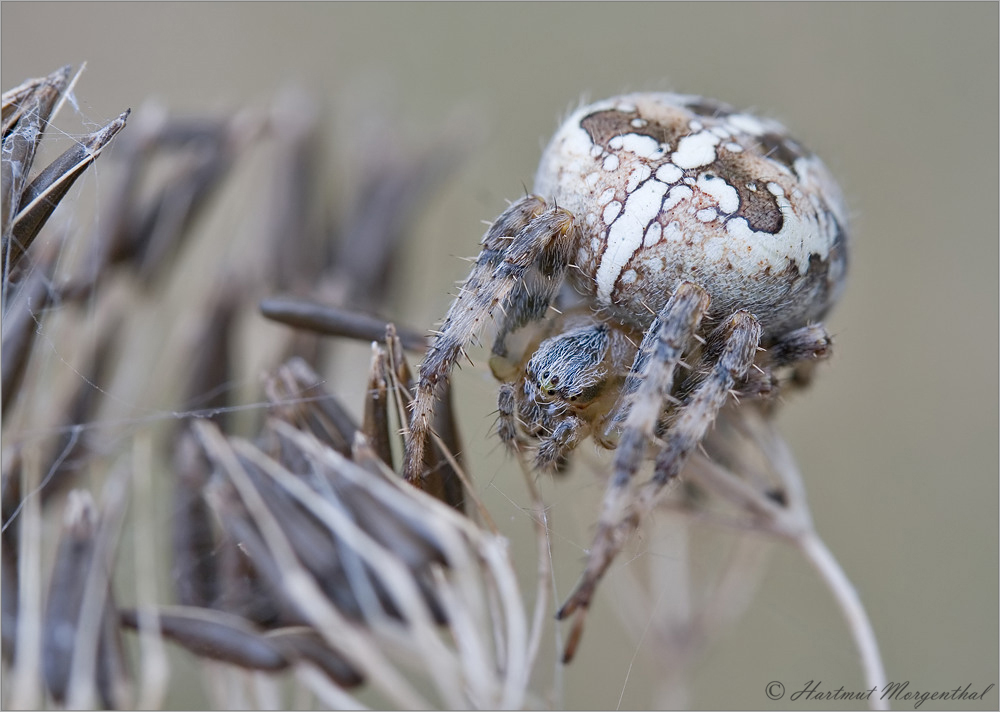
(794, 356)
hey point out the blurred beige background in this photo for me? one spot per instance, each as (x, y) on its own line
(898, 440)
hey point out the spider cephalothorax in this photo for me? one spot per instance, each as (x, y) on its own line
(565, 386)
(702, 244)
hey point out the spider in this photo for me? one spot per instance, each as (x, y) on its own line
(692, 250)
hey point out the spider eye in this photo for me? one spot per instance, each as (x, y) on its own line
(555, 380)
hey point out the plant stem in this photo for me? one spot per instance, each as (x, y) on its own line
(817, 553)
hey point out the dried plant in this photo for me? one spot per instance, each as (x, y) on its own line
(27, 205)
(295, 549)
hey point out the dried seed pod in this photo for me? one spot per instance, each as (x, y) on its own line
(395, 528)
(249, 577)
(73, 560)
(19, 153)
(397, 360)
(299, 398)
(242, 589)
(446, 426)
(20, 324)
(46, 89)
(292, 222)
(365, 456)
(42, 196)
(10, 501)
(350, 581)
(305, 644)
(195, 563)
(316, 548)
(440, 479)
(210, 369)
(398, 529)
(72, 450)
(159, 230)
(217, 635)
(393, 188)
(64, 626)
(335, 321)
(375, 424)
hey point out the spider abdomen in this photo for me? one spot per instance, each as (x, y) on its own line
(667, 188)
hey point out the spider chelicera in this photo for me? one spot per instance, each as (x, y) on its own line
(691, 249)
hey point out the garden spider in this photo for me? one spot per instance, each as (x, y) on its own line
(702, 246)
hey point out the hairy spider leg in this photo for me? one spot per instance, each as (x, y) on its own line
(553, 449)
(507, 416)
(530, 244)
(651, 381)
(800, 350)
(809, 343)
(651, 384)
(731, 351)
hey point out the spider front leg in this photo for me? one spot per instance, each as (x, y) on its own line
(730, 354)
(525, 252)
(646, 393)
(651, 380)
